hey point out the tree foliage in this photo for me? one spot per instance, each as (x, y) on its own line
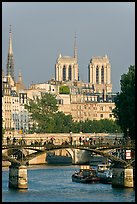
(96, 126)
(124, 110)
(3, 130)
(42, 110)
(64, 89)
(63, 122)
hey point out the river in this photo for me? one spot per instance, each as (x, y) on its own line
(48, 183)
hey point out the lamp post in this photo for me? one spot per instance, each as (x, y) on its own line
(70, 138)
(128, 137)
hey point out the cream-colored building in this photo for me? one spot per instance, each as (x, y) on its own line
(6, 105)
(10, 93)
(66, 67)
(100, 74)
(82, 107)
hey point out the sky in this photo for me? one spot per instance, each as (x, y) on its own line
(43, 30)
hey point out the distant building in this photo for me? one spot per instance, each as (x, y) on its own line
(12, 109)
(100, 74)
(93, 100)
(66, 67)
(19, 84)
(6, 105)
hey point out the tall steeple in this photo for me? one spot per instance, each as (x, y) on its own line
(10, 59)
(75, 48)
(20, 77)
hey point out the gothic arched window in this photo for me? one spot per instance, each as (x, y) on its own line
(102, 75)
(64, 73)
(97, 74)
(70, 73)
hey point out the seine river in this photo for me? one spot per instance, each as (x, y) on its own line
(53, 184)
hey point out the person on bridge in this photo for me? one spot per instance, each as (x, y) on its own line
(8, 140)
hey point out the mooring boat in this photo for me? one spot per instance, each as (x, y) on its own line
(57, 159)
(86, 174)
(104, 173)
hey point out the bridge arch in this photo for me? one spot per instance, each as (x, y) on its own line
(70, 149)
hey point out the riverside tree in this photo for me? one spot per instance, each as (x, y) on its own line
(45, 115)
(42, 110)
(124, 110)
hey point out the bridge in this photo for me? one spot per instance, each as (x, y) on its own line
(39, 149)
(100, 149)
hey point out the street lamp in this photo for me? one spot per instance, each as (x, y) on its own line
(127, 132)
(70, 140)
(128, 137)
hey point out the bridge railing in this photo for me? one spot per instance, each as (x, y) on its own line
(86, 142)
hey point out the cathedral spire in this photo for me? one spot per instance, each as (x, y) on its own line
(20, 76)
(10, 59)
(10, 42)
(75, 48)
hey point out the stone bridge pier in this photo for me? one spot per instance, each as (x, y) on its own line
(122, 176)
(18, 176)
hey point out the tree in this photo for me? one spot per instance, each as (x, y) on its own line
(42, 110)
(124, 110)
(62, 122)
(3, 131)
(64, 89)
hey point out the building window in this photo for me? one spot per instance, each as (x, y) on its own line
(70, 73)
(101, 115)
(64, 73)
(102, 75)
(97, 74)
(110, 115)
(101, 108)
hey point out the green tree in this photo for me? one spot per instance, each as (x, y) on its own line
(62, 122)
(42, 110)
(124, 110)
(3, 131)
(64, 89)
(100, 126)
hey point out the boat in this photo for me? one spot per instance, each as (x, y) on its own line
(51, 158)
(97, 159)
(86, 174)
(104, 173)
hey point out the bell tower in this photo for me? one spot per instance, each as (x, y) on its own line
(66, 67)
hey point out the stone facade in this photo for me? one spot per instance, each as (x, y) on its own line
(81, 109)
(66, 69)
(100, 74)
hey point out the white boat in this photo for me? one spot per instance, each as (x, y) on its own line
(104, 172)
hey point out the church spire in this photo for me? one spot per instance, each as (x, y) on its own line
(10, 42)
(10, 60)
(75, 48)
(20, 76)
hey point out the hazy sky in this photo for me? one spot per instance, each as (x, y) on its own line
(43, 30)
